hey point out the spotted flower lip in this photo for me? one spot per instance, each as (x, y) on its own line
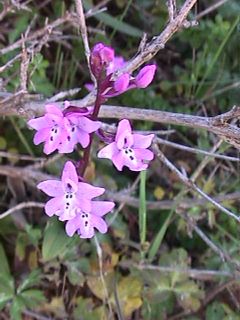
(128, 149)
(62, 130)
(85, 222)
(68, 195)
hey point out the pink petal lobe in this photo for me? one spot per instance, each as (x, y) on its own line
(41, 136)
(52, 145)
(71, 226)
(108, 151)
(122, 82)
(52, 188)
(88, 125)
(53, 109)
(124, 140)
(54, 206)
(39, 123)
(142, 141)
(69, 174)
(88, 191)
(145, 76)
(118, 161)
(100, 208)
(83, 138)
(98, 223)
(123, 127)
(144, 154)
(117, 63)
(87, 234)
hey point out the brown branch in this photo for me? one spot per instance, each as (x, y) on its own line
(191, 273)
(217, 125)
(83, 31)
(185, 203)
(191, 185)
(20, 206)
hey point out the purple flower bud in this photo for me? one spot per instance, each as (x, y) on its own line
(101, 57)
(145, 76)
(122, 82)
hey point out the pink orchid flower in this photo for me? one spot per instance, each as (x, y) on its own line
(51, 128)
(61, 131)
(85, 221)
(69, 195)
(128, 149)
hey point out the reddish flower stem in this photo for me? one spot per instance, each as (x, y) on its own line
(86, 155)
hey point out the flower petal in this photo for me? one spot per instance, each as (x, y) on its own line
(142, 141)
(144, 154)
(52, 188)
(98, 223)
(118, 160)
(117, 63)
(41, 136)
(83, 138)
(53, 109)
(87, 191)
(123, 127)
(69, 175)
(100, 208)
(54, 206)
(88, 125)
(39, 123)
(145, 76)
(72, 226)
(125, 140)
(87, 233)
(50, 146)
(108, 151)
(122, 82)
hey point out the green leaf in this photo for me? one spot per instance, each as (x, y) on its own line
(31, 280)
(6, 285)
(215, 311)
(159, 237)
(21, 244)
(115, 23)
(16, 308)
(55, 240)
(4, 300)
(85, 310)
(74, 273)
(4, 267)
(33, 297)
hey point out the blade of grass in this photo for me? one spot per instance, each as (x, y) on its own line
(216, 56)
(21, 137)
(142, 210)
(114, 23)
(162, 231)
(121, 18)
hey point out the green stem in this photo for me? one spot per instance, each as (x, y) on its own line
(142, 211)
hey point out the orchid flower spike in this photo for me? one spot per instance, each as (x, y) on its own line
(128, 149)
